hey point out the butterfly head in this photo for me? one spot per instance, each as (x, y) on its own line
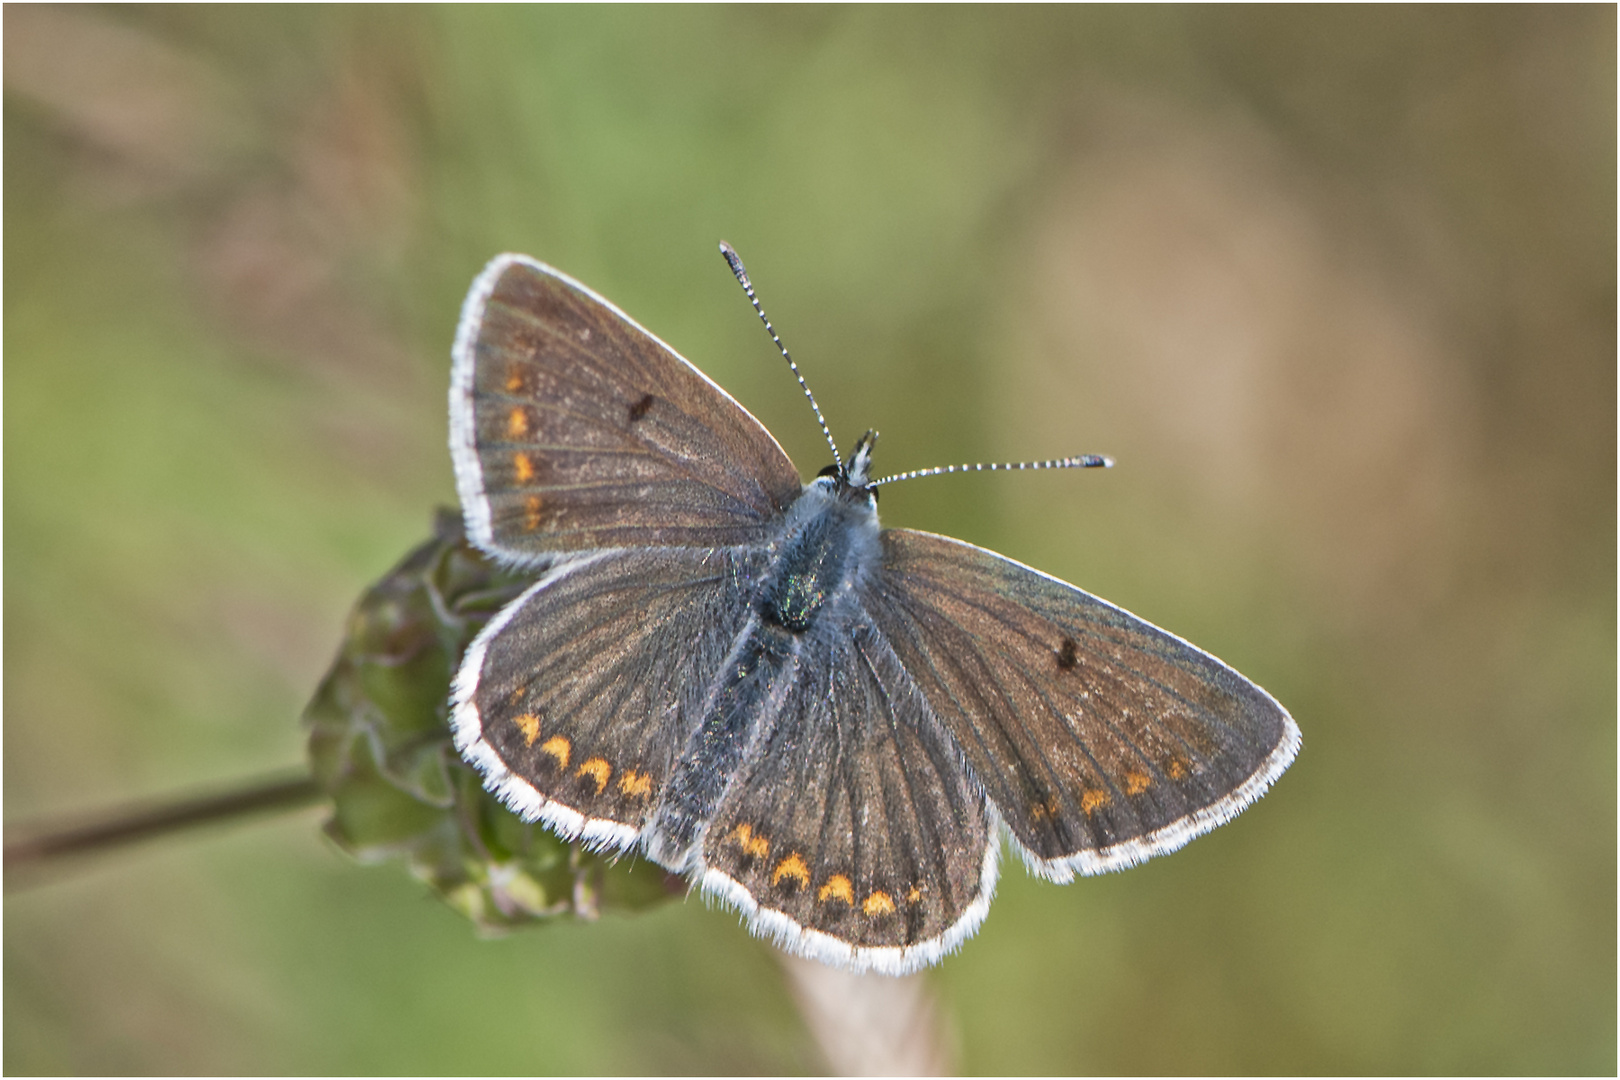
(852, 480)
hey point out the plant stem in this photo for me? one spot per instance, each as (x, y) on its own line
(871, 1025)
(48, 844)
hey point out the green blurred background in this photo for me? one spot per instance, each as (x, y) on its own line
(1335, 286)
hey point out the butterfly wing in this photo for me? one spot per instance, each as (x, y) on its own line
(854, 836)
(1101, 739)
(575, 699)
(572, 428)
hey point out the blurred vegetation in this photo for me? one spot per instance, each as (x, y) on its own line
(1335, 286)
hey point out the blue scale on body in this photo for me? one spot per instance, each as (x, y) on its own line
(830, 541)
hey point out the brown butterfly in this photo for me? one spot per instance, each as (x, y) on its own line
(740, 676)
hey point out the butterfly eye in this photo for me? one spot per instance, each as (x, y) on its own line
(830, 470)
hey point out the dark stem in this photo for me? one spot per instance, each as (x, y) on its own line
(132, 824)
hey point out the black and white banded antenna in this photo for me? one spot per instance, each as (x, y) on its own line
(736, 264)
(1081, 461)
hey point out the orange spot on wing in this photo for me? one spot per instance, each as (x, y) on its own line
(517, 422)
(635, 783)
(791, 867)
(531, 513)
(1136, 783)
(522, 467)
(529, 724)
(1043, 810)
(559, 748)
(514, 379)
(749, 842)
(1091, 800)
(838, 887)
(597, 769)
(914, 895)
(879, 903)
(1176, 769)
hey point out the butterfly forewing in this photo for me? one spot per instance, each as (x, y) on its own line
(854, 834)
(1101, 739)
(577, 697)
(572, 428)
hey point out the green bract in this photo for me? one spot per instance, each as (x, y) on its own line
(380, 746)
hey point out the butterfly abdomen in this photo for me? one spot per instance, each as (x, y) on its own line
(709, 760)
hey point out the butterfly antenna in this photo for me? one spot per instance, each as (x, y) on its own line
(735, 262)
(1083, 461)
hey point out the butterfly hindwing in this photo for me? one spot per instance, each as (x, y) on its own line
(576, 698)
(1101, 739)
(572, 429)
(854, 835)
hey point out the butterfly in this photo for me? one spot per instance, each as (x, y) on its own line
(741, 676)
